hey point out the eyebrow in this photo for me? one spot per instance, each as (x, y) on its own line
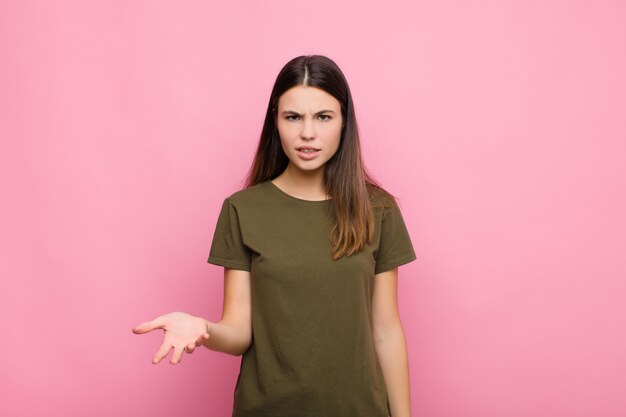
(298, 114)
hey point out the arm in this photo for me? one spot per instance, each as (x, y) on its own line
(184, 332)
(233, 333)
(390, 342)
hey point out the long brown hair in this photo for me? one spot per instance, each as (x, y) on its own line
(353, 191)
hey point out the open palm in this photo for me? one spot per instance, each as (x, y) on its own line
(183, 332)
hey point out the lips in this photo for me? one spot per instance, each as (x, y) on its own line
(307, 155)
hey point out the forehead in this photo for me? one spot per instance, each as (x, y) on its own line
(304, 98)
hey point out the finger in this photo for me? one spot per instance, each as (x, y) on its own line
(161, 353)
(142, 328)
(190, 347)
(148, 326)
(176, 356)
(205, 336)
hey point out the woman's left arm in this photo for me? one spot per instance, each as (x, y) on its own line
(390, 342)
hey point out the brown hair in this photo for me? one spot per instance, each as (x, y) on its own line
(353, 191)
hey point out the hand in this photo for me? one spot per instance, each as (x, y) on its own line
(183, 332)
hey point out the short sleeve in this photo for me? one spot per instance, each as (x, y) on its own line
(227, 247)
(395, 247)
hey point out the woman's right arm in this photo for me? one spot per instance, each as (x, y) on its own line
(233, 333)
(184, 332)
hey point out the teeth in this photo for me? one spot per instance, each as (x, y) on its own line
(307, 150)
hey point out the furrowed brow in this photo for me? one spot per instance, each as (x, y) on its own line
(298, 114)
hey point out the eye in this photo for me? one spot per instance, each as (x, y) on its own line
(290, 117)
(327, 117)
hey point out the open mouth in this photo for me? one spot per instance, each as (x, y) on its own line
(307, 150)
(307, 153)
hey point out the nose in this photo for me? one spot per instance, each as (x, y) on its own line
(307, 132)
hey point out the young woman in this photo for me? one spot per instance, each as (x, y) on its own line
(310, 249)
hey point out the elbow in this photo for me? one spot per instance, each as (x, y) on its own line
(238, 338)
(241, 349)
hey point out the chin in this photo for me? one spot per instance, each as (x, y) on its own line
(308, 167)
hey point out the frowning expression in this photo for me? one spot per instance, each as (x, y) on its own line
(309, 123)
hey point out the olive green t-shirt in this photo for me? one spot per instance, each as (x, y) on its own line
(312, 350)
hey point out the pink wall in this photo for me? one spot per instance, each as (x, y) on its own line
(501, 126)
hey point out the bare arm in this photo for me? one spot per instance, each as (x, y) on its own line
(184, 332)
(233, 333)
(390, 342)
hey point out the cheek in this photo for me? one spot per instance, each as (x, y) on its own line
(282, 134)
(286, 132)
(284, 144)
(336, 138)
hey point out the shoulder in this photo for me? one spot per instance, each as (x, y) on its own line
(250, 195)
(384, 203)
(380, 198)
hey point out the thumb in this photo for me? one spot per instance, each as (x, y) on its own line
(141, 328)
(146, 327)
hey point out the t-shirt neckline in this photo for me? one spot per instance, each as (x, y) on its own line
(292, 198)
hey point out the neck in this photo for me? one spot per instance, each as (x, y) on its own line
(309, 185)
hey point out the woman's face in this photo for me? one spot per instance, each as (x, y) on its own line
(308, 117)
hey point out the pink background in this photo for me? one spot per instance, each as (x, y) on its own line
(500, 125)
